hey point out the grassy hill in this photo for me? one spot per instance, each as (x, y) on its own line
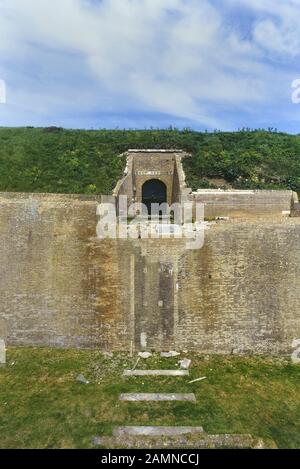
(86, 161)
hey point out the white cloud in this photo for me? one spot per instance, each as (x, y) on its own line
(278, 28)
(2, 92)
(175, 57)
(279, 39)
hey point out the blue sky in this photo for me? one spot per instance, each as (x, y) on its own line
(204, 64)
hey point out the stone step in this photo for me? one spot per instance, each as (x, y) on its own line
(186, 441)
(143, 396)
(156, 431)
(155, 373)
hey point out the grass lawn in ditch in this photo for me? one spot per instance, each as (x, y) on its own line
(43, 406)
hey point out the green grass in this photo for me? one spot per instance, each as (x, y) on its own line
(43, 406)
(86, 161)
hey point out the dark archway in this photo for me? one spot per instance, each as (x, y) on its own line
(154, 192)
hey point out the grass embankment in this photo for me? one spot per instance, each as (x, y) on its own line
(43, 406)
(86, 161)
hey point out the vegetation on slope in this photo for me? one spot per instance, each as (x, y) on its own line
(43, 406)
(86, 161)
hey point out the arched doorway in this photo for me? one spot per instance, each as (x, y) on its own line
(154, 191)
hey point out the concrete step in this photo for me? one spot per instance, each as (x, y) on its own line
(156, 431)
(143, 396)
(155, 373)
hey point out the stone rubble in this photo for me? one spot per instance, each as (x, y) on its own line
(170, 354)
(81, 379)
(2, 352)
(185, 363)
(145, 354)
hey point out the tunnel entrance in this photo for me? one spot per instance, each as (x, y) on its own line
(153, 192)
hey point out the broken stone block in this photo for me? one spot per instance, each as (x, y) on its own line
(96, 441)
(81, 379)
(145, 354)
(143, 339)
(170, 354)
(296, 354)
(2, 352)
(185, 363)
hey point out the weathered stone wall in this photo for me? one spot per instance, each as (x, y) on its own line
(240, 293)
(153, 166)
(57, 285)
(144, 165)
(61, 286)
(241, 204)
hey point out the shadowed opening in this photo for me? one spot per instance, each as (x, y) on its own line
(154, 192)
